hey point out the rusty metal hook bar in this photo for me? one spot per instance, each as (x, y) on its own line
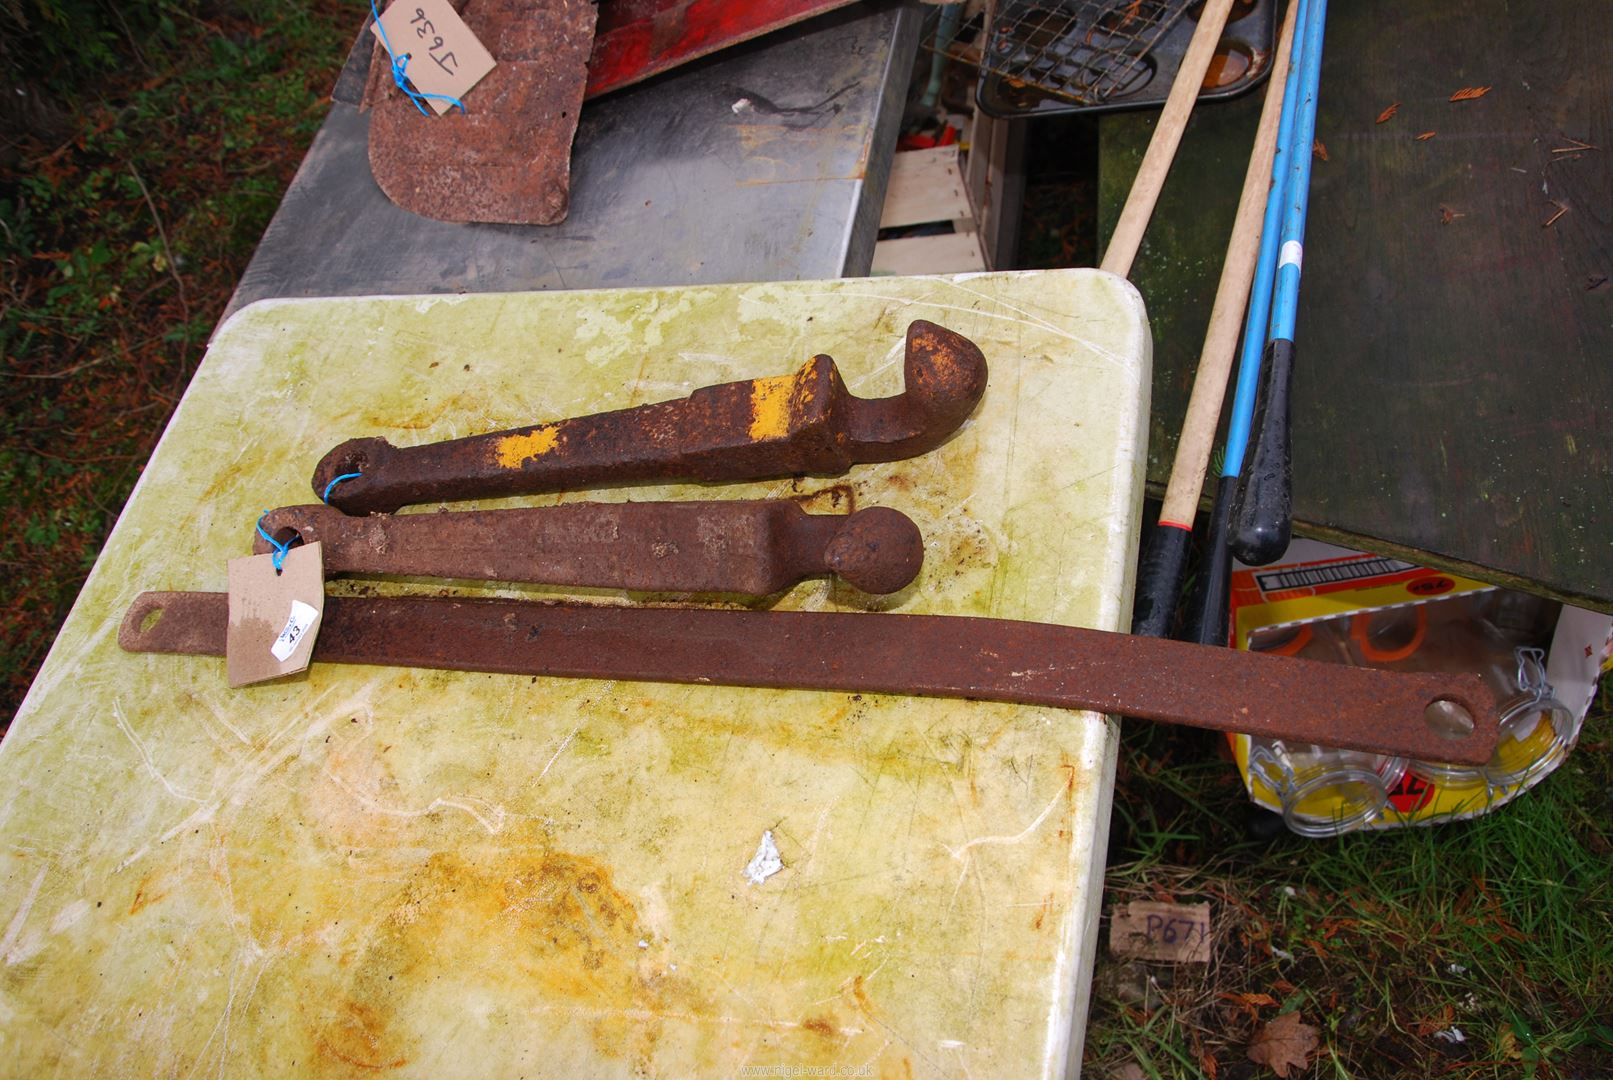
(1429, 716)
(759, 429)
(754, 547)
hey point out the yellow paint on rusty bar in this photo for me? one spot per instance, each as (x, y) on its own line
(513, 451)
(770, 405)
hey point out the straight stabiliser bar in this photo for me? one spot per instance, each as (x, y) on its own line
(747, 546)
(1429, 716)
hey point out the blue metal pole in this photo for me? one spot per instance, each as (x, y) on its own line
(1296, 198)
(1260, 293)
(1207, 608)
(1262, 510)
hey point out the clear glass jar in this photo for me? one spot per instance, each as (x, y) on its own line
(1322, 792)
(1496, 634)
(1537, 730)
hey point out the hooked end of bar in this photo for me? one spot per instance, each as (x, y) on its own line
(878, 550)
(945, 373)
(945, 376)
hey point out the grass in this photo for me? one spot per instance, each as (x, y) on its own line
(125, 227)
(1501, 927)
(122, 238)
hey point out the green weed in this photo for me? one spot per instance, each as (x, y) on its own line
(119, 246)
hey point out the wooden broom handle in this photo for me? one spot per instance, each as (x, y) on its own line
(1128, 235)
(1231, 296)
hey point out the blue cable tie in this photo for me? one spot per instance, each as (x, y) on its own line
(401, 76)
(281, 547)
(338, 480)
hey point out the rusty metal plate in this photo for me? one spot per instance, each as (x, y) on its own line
(507, 159)
(753, 547)
(753, 430)
(1413, 714)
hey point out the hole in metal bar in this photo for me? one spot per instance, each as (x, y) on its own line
(1448, 719)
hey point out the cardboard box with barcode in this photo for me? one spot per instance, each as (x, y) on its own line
(1333, 604)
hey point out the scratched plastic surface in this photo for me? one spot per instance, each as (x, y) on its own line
(368, 871)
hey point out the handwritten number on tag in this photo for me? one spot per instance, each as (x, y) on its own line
(1173, 930)
(302, 617)
(458, 60)
(447, 61)
(1151, 930)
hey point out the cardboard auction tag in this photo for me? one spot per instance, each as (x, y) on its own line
(1150, 930)
(273, 616)
(444, 56)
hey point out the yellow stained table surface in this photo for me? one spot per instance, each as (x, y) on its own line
(366, 870)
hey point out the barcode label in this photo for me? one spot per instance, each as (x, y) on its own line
(1307, 577)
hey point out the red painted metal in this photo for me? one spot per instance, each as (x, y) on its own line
(635, 39)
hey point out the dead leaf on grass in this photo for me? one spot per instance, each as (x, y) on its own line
(1506, 1046)
(1447, 215)
(1249, 1000)
(1425, 136)
(1283, 1043)
(1388, 113)
(1249, 1004)
(1319, 150)
(1469, 93)
(1129, 1071)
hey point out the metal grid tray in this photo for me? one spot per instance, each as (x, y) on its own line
(1049, 57)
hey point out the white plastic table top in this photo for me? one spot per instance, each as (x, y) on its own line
(423, 873)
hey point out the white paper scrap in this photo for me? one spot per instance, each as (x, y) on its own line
(766, 862)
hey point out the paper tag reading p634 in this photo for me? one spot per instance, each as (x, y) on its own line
(444, 56)
(273, 617)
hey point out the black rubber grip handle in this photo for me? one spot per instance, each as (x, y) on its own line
(1159, 580)
(1207, 607)
(1262, 515)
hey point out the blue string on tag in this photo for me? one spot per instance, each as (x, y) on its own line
(281, 547)
(401, 76)
(338, 480)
